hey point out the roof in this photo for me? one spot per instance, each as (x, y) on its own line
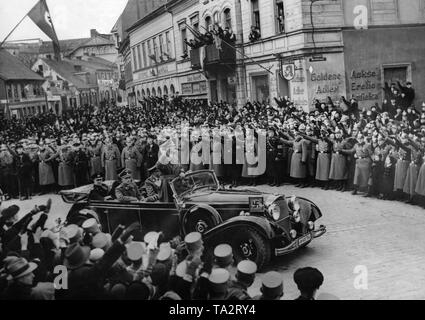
(65, 45)
(66, 69)
(11, 68)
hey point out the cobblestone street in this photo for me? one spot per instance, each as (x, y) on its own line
(385, 237)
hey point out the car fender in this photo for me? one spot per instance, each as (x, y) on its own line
(262, 225)
(202, 206)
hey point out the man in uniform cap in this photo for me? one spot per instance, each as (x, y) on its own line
(308, 281)
(218, 284)
(223, 256)
(24, 172)
(100, 190)
(245, 277)
(127, 191)
(272, 287)
(152, 185)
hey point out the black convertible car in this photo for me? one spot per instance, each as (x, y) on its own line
(257, 225)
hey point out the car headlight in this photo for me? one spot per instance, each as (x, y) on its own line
(293, 234)
(311, 225)
(274, 211)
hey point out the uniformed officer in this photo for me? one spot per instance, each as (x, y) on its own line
(153, 185)
(23, 169)
(6, 171)
(150, 154)
(308, 280)
(338, 172)
(111, 159)
(223, 256)
(66, 170)
(245, 277)
(218, 284)
(272, 287)
(94, 150)
(362, 153)
(194, 247)
(131, 158)
(45, 170)
(127, 191)
(100, 190)
(271, 156)
(81, 164)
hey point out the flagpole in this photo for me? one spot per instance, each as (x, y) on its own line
(10, 33)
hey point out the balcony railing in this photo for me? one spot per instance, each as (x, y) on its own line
(213, 56)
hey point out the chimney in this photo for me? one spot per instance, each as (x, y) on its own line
(93, 33)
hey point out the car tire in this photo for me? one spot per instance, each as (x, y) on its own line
(199, 221)
(249, 244)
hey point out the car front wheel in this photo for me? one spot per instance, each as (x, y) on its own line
(249, 244)
(200, 221)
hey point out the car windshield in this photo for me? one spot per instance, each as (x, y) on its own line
(192, 182)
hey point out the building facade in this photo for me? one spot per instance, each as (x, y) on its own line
(301, 49)
(21, 89)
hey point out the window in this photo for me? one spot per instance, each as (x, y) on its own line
(167, 44)
(139, 57)
(227, 19)
(133, 50)
(165, 91)
(208, 23)
(195, 22)
(153, 92)
(260, 88)
(183, 38)
(143, 93)
(149, 53)
(280, 16)
(159, 92)
(216, 17)
(255, 14)
(161, 46)
(144, 54)
(172, 90)
(148, 92)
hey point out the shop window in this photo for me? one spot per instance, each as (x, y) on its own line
(260, 88)
(227, 19)
(280, 16)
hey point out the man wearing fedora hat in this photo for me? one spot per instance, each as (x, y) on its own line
(20, 274)
(85, 279)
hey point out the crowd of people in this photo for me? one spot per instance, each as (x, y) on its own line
(380, 151)
(335, 146)
(81, 262)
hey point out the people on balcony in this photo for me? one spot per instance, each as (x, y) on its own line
(255, 34)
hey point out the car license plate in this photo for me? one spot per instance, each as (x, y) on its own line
(304, 239)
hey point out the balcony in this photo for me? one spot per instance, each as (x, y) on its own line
(215, 58)
(195, 58)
